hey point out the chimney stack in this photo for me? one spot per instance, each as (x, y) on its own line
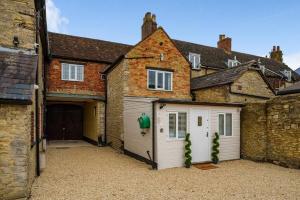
(224, 43)
(276, 54)
(149, 24)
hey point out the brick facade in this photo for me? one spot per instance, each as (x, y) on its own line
(91, 85)
(129, 78)
(270, 131)
(155, 45)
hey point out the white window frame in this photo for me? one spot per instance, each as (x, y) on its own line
(288, 74)
(69, 65)
(232, 63)
(177, 122)
(224, 114)
(195, 55)
(156, 79)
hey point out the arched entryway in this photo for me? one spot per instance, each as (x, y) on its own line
(64, 122)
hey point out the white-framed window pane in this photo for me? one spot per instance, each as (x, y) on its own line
(65, 71)
(160, 80)
(168, 77)
(151, 79)
(72, 72)
(182, 124)
(79, 73)
(172, 125)
(228, 124)
(221, 124)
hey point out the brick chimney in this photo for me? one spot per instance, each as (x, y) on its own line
(149, 25)
(224, 43)
(276, 54)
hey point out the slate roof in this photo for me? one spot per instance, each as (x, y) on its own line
(217, 58)
(17, 76)
(222, 77)
(80, 48)
(290, 90)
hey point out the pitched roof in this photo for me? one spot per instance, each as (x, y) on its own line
(217, 58)
(17, 76)
(80, 48)
(222, 77)
(291, 89)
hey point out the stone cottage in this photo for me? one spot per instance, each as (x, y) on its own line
(23, 50)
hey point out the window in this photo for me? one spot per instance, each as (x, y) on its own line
(160, 80)
(232, 63)
(288, 74)
(177, 125)
(72, 72)
(195, 60)
(225, 124)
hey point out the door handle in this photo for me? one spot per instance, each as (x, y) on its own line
(206, 134)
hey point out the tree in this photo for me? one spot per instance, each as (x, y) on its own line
(215, 148)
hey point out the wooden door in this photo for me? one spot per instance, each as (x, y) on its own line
(64, 122)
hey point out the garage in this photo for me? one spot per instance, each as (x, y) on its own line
(64, 122)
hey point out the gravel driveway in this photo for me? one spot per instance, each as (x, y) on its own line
(101, 173)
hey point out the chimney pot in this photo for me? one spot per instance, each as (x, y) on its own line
(274, 48)
(276, 54)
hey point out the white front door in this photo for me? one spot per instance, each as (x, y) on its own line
(200, 138)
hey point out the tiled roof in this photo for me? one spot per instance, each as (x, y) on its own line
(17, 76)
(222, 77)
(290, 90)
(73, 47)
(217, 58)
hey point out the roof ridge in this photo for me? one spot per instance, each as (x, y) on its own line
(82, 37)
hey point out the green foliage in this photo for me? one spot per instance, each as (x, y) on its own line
(188, 151)
(215, 148)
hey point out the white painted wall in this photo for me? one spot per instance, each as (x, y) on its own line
(134, 141)
(170, 153)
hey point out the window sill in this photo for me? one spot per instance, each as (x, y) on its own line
(159, 90)
(72, 80)
(175, 139)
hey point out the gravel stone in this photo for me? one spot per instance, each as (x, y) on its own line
(102, 173)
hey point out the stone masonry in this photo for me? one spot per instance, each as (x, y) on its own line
(15, 127)
(271, 131)
(17, 19)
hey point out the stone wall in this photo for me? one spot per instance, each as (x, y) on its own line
(15, 152)
(271, 131)
(202, 72)
(91, 85)
(115, 108)
(17, 18)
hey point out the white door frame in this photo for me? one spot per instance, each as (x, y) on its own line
(207, 113)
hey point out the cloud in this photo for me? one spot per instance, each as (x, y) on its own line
(55, 21)
(292, 60)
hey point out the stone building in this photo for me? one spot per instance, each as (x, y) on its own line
(23, 49)
(244, 83)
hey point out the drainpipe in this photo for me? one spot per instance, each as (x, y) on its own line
(105, 114)
(153, 135)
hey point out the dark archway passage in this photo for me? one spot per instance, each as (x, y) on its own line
(64, 122)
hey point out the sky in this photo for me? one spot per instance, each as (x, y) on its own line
(254, 25)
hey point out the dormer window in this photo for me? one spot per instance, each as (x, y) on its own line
(233, 62)
(195, 59)
(262, 68)
(288, 74)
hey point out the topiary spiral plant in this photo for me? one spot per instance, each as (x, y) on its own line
(188, 151)
(215, 148)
